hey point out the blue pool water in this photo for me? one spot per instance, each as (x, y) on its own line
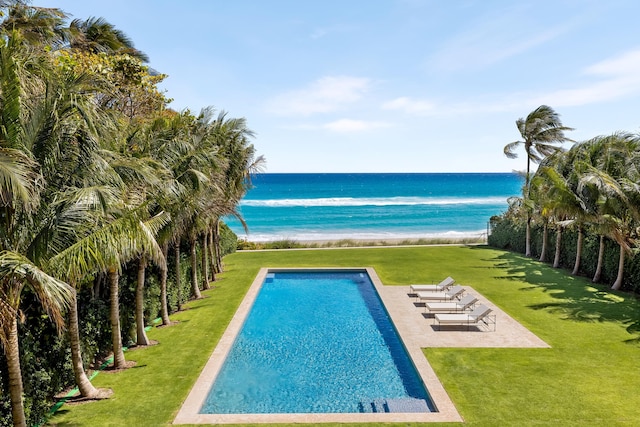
(318, 342)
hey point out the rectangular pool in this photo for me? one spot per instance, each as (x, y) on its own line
(317, 342)
(278, 389)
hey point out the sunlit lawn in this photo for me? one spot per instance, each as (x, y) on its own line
(589, 376)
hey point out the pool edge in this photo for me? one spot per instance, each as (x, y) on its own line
(189, 411)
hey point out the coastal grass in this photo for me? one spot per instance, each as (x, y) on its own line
(357, 243)
(589, 376)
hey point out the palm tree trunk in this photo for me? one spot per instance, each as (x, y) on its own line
(527, 250)
(556, 259)
(164, 306)
(598, 273)
(177, 268)
(618, 283)
(527, 242)
(84, 385)
(205, 262)
(543, 251)
(195, 289)
(576, 266)
(12, 353)
(116, 339)
(216, 245)
(212, 255)
(141, 334)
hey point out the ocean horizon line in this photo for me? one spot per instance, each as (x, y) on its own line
(390, 173)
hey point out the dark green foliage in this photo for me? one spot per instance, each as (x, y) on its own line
(228, 240)
(46, 365)
(95, 328)
(506, 234)
(45, 355)
(509, 234)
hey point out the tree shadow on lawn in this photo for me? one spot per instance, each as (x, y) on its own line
(577, 298)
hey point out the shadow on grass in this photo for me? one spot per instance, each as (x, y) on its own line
(576, 298)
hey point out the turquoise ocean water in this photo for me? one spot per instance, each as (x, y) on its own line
(376, 206)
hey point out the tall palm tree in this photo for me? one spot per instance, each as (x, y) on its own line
(560, 197)
(543, 202)
(233, 136)
(40, 129)
(18, 273)
(107, 250)
(615, 176)
(541, 131)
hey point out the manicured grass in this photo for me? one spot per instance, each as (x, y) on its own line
(589, 376)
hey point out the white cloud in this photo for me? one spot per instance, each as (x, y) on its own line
(349, 125)
(495, 37)
(408, 105)
(618, 77)
(605, 81)
(325, 95)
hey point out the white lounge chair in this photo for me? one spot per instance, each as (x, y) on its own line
(452, 306)
(479, 314)
(454, 292)
(440, 287)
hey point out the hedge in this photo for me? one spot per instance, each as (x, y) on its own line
(510, 235)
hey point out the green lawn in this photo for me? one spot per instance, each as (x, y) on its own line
(589, 376)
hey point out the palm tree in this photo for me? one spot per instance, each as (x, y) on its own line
(615, 176)
(541, 131)
(37, 26)
(233, 137)
(41, 136)
(106, 250)
(559, 198)
(539, 194)
(18, 273)
(97, 35)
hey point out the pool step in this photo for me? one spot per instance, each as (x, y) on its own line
(394, 405)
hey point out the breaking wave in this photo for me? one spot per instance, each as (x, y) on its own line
(374, 201)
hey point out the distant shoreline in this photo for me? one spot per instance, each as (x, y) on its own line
(359, 242)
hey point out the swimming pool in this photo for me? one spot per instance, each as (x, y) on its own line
(317, 342)
(407, 320)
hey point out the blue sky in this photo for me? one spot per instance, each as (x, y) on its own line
(390, 86)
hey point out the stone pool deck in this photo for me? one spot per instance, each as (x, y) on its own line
(416, 330)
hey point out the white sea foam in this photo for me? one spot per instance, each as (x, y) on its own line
(304, 236)
(375, 201)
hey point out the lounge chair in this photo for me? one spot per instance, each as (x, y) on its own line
(440, 287)
(452, 306)
(451, 294)
(479, 314)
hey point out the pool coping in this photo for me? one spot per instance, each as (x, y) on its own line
(413, 329)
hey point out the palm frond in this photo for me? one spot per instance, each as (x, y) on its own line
(17, 271)
(20, 182)
(110, 247)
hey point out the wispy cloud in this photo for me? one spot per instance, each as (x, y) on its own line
(470, 52)
(615, 78)
(608, 80)
(325, 95)
(495, 37)
(409, 105)
(349, 125)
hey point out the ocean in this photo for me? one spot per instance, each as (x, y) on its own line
(372, 206)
